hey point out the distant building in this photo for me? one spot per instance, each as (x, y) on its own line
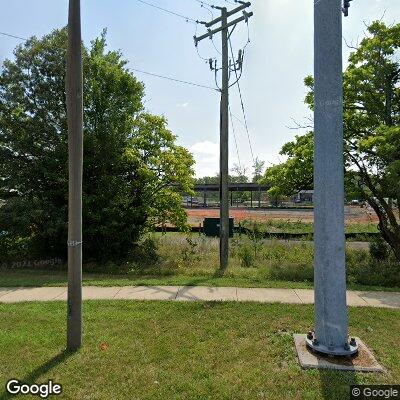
(304, 196)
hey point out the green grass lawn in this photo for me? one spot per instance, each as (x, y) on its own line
(178, 259)
(35, 278)
(289, 226)
(165, 350)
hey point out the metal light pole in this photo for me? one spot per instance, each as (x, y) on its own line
(331, 321)
(74, 93)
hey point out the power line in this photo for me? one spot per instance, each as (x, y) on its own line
(234, 137)
(212, 17)
(188, 19)
(137, 70)
(174, 79)
(197, 48)
(13, 36)
(211, 5)
(242, 105)
(238, 119)
(204, 3)
(248, 36)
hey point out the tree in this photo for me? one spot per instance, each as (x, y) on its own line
(133, 168)
(371, 132)
(239, 174)
(258, 168)
(239, 177)
(297, 172)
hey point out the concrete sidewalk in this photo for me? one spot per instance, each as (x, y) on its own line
(196, 293)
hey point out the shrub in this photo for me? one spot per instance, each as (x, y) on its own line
(291, 271)
(379, 249)
(189, 251)
(365, 270)
(246, 255)
(15, 250)
(256, 234)
(145, 254)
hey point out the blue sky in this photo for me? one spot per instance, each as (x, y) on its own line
(279, 56)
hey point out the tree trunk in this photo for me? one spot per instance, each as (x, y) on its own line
(389, 233)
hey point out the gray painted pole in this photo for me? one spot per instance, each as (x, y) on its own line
(224, 146)
(331, 321)
(74, 97)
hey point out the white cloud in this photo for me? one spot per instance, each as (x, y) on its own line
(183, 105)
(206, 155)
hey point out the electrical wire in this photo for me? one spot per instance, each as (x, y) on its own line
(215, 47)
(248, 36)
(242, 105)
(238, 119)
(213, 6)
(138, 70)
(174, 79)
(197, 47)
(234, 137)
(204, 3)
(13, 36)
(212, 18)
(188, 19)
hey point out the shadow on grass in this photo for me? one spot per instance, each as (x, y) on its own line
(200, 280)
(35, 375)
(335, 385)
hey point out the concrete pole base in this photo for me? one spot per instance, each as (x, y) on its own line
(348, 349)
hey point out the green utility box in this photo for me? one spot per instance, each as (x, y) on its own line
(211, 227)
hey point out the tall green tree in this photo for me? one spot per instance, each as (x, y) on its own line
(258, 168)
(133, 168)
(371, 132)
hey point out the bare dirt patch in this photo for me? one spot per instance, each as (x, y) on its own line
(353, 215)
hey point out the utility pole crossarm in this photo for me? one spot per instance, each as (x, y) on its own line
(228, 14)
(210, 33)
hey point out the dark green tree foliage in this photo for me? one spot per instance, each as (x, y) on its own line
(133, 169)
(371, 132)
(297, 172)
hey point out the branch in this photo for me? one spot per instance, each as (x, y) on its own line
(350, 47)
(298, 126)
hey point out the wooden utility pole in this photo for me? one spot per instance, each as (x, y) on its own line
(224, 148)
(224, 119)
(74, 94)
